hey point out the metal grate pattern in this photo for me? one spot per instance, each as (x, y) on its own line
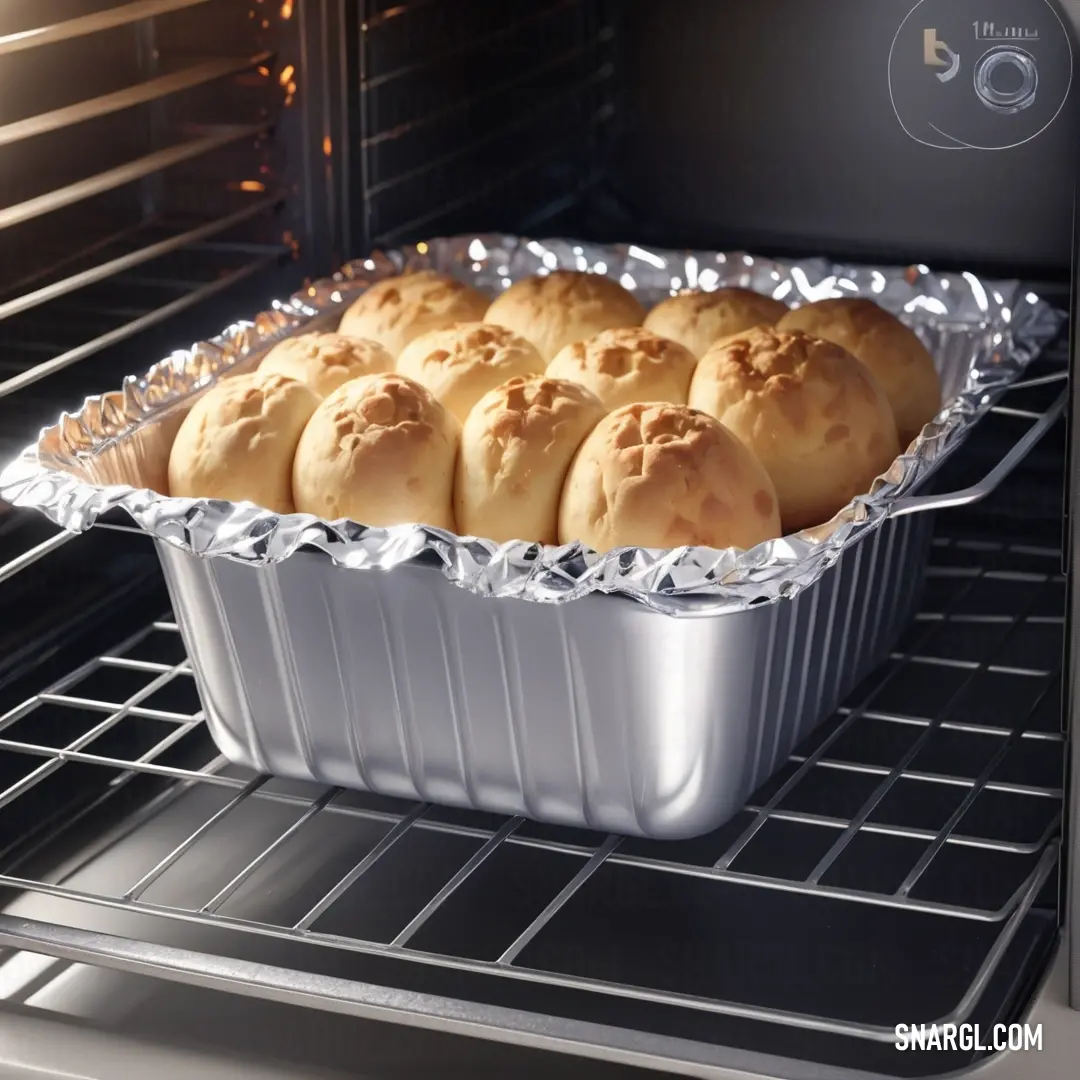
(933, 798)
(186, 272)
(141, 185)
(461, 122)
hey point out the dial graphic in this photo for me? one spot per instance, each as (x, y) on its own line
(979, 74)
(996, 89)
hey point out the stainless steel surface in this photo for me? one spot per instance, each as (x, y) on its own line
(74, 1020)
(598, 713)
(1071, 886)
(196, 856)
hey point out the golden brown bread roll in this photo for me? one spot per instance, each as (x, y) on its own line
(891, 350)
(326, 361)
(626, 365)
(815, 417)
(397, 309)
(461, 363)
(238, 440)
(516, 447)
(380, 450)
(664, 476)
(562, 307)
(697, 319)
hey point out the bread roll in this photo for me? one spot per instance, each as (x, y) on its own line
(397, 309)
(380, 450)
(238, 440)
(563, 307)
(664, 476)
(516, 447)
(326, 361)
(697, 319)
(890, 349)
(461, 363)
(627, 365)
(815, 417)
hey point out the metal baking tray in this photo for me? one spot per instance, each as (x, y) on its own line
(635, 692)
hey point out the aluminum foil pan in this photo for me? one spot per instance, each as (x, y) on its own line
(111, 454)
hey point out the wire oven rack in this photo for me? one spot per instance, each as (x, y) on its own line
(926, 810)
(140, 187)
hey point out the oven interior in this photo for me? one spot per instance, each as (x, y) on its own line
(170, 165)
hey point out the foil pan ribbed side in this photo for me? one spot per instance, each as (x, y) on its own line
(112, 453)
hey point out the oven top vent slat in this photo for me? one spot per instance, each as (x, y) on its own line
(83, 25)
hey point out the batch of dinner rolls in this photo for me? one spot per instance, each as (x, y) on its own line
(564, 411)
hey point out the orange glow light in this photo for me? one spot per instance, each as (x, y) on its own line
(291, 88)
(287, 9)
(327, 146)
(252, 185)
(286, 75)
(264, 71)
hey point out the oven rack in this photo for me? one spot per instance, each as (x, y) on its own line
(987, 644)
(34, 354)
(80, 26)
(145, 186)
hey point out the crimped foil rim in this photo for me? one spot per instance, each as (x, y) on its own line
(682, 581)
